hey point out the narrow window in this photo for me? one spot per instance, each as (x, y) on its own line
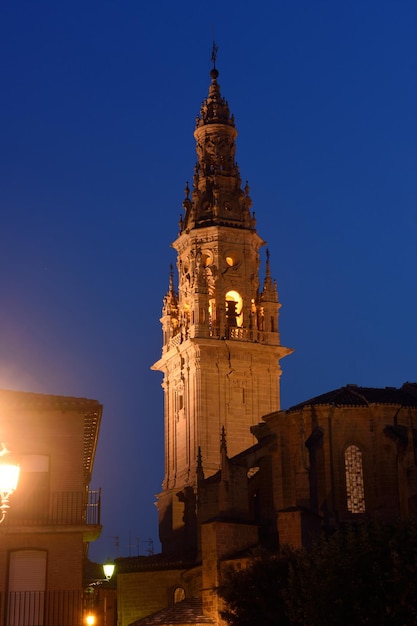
(180, 402)
(354, 480)
(27, 577)
(212, 316)
(256, 508)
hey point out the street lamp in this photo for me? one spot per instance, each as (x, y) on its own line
(108, 569)
(92, 597)
(9, 477)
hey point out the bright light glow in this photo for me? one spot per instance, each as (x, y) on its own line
(9, 477)
(108, 569)
(207, 258)
(232, 258)
(90, 620)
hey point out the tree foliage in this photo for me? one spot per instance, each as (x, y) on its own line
(363, 574)
(255, 594)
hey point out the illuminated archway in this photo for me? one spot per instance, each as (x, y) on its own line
(234, 304)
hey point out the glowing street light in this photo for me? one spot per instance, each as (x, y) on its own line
(9, 477)
(91, 595)
(108, 569)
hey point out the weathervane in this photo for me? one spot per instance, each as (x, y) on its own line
(214, 50)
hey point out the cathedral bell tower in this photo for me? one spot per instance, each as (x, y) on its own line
(221, 345)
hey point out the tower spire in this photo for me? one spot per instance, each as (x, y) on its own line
(221, 345)
(217, 196)
(269, 292)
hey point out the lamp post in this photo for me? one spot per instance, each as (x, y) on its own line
(9, 477)
(92, 591)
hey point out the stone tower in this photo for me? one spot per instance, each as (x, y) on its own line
(221, 345)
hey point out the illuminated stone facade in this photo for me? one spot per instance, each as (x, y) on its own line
(239, 472)
(344, 456)
(221, 345)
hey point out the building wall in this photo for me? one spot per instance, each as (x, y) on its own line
(220, 540)
(53, 438)
(142, 593)
(64, 556)
(313, 477)
(222, 384)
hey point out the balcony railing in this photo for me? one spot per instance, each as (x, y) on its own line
(55, 508)
(234, 333)
(56, 608)
(43, 608)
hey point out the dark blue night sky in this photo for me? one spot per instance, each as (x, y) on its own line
(97, 114)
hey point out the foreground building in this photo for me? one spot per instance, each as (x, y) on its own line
(233, 482)
(53, 515)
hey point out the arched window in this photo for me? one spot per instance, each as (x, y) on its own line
(179, 594)
(355, 493)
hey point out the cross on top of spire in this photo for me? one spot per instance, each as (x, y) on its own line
(214, 51)
(214, 109)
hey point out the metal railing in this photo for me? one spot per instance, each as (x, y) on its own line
(56, 508)
(43, 608)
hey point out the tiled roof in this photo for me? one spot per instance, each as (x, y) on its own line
(153, 562)
(352, 395)
(15, 399)
(188, 611)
